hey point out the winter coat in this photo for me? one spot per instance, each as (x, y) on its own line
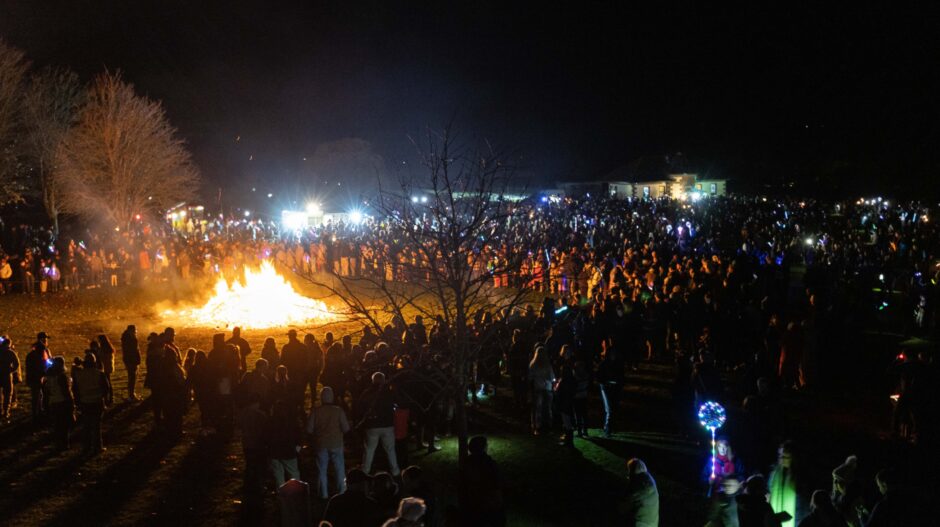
(130, 352)
(640, 507)
(36, 364)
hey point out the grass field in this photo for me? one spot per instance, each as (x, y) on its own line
(143, 480)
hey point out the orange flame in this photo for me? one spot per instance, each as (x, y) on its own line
(264, 300)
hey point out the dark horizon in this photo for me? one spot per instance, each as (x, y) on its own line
(756, 94)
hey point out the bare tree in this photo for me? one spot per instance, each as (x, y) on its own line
(13, 68)
(50, 107)
(444, 239)
(122, 157)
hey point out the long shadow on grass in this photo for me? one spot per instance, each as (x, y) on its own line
(22, 497)
(198, 473)
(116, 485)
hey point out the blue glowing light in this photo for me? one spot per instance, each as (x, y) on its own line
(711, 415)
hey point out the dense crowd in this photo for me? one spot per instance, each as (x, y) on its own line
(705, 285)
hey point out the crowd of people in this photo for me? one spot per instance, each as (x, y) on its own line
(708, 286)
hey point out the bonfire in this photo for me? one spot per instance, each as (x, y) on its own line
(264, 299)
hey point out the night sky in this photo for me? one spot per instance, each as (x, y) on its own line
(754, 93)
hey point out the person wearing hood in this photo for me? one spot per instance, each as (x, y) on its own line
(640, 507)
(846, 492)
(326, 425)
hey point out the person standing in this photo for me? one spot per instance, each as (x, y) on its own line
(564, 393)
(91, 390)
(244, 349)
(270, 353)
(542, 378)
(37, 361)
(175, 393)
(130, 356)
(327, 425)
(377, 409)
(154, 379)
(518, 368)
(294, 357)
(253, 424)
(58, 388)
(9, 375)
(610, 380)
(106, 361)
(314, 365)
(283, 444)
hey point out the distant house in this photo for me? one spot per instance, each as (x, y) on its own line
(617, 189)
(650, 177)
(681, 186)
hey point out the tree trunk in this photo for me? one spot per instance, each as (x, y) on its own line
(460, 394)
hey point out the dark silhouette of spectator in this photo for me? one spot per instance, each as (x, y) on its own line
(480, 487)
(253, 423)
(244, 349)
(354, 507)
(9, 375)
(130, 356)
(37, 361)
(640, 506)
(58, 391)
(91, 391)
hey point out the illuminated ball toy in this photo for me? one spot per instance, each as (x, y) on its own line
(712, 416)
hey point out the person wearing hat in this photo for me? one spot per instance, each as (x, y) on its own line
(354, 506)
(37, 361)
(377, 410)
(9, 375)
(130, 356)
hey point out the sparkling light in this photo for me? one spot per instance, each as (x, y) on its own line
(712, 416)
(264, 300)
(355, 217)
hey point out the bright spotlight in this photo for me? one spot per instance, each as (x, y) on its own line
(695, 196)
(313, 208)
(424, 199)
(810, 241)
(355, 217)
(414, 199)
(247, 213)
(293, 220)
